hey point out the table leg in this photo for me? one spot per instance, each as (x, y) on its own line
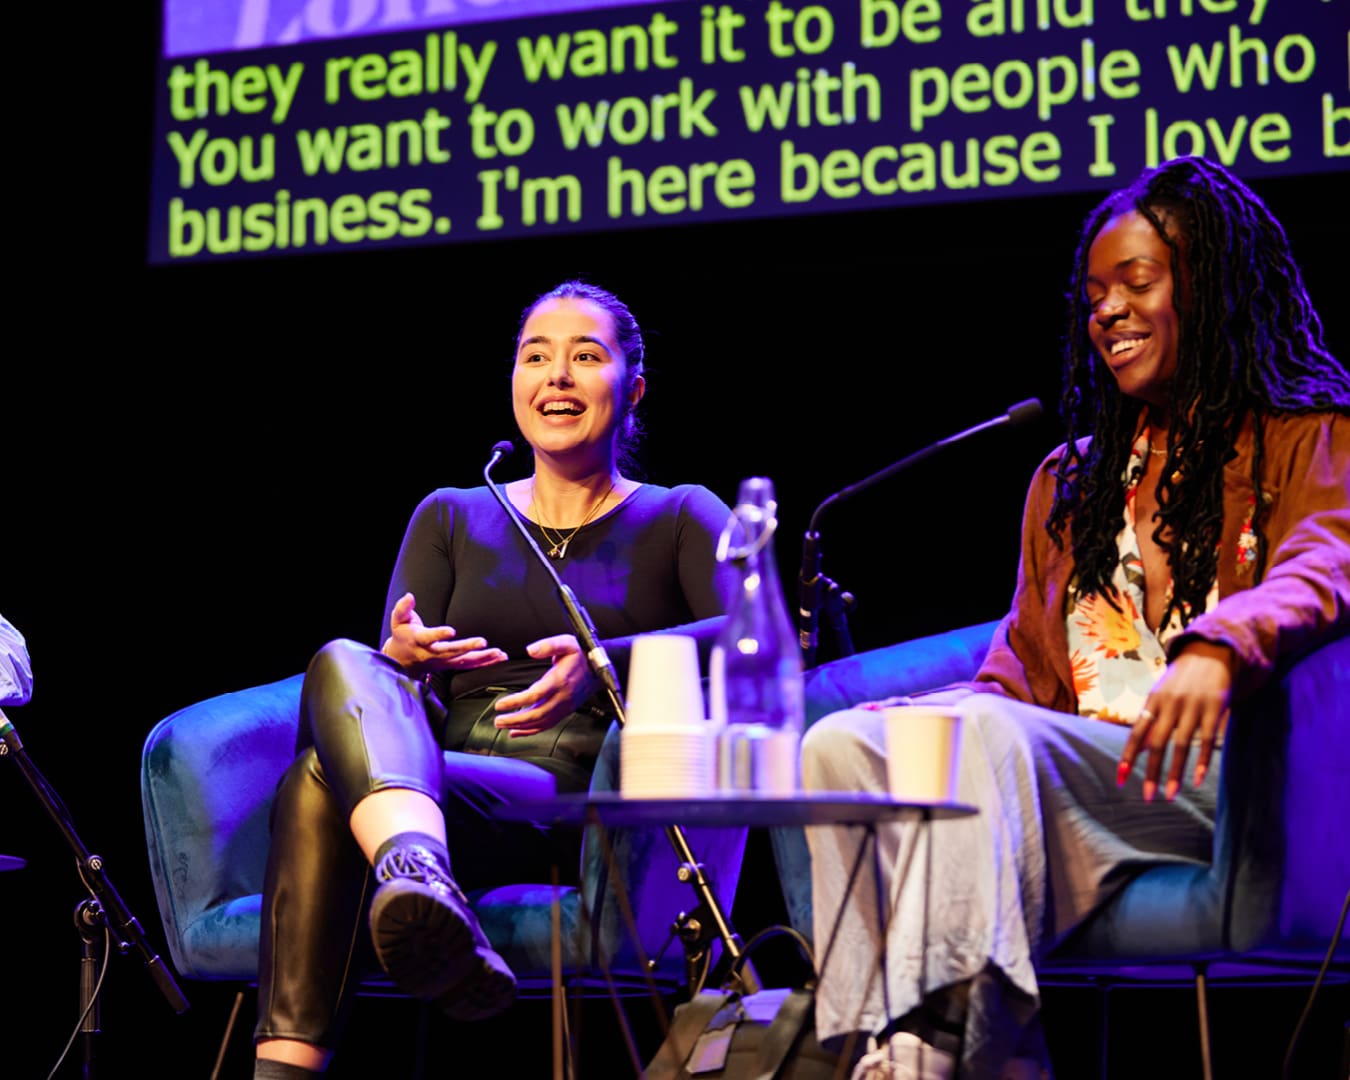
(869, 833)
(886, 915)
(555, 957)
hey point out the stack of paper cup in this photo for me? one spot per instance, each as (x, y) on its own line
(665, 749)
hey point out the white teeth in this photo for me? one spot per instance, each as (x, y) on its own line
(1118, 347)
(560, 407)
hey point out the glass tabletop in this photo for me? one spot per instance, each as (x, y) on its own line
(802, 808)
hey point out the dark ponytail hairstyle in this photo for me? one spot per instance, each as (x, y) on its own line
(628, 336)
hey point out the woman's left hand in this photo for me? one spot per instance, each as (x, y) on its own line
(558, 692)
(1191, 697)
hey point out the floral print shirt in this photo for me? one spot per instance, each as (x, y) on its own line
(1116, 658)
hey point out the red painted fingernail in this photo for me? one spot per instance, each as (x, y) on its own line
(1150, 789)
(1122, 774)
(1170, 792)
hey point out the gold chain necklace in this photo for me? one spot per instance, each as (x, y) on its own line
(560, 542)
(1176, 475)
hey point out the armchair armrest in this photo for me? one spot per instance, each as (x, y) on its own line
(1284, 805)
(1281, 866)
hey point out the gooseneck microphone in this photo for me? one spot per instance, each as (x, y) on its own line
(811, 585)
(695, 929)
(582, 626)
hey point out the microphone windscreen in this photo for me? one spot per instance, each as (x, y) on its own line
(502, 448)
(1024, 411)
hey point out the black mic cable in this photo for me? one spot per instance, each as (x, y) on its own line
(582, 626)
(809, 581)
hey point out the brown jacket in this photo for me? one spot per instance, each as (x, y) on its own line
(1303, 600)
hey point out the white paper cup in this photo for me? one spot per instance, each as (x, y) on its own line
(923, 746)
(664, 687)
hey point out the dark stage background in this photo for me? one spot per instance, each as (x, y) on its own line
(208, 470)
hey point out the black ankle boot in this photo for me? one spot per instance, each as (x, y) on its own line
(427, 937)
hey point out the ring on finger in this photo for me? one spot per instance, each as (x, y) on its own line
(1146, 714)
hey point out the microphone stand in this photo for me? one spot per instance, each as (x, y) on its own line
(103, 912)
(695, 929)
(810, 581)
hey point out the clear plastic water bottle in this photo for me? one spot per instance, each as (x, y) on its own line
(755, 678)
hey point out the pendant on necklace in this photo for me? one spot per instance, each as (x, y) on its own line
(558, 551)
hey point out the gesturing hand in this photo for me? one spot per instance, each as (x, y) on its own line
(1191, 697)
(421, 649)
(567, 683)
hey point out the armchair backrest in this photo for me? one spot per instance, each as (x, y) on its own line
(207, 777)
(907, 668)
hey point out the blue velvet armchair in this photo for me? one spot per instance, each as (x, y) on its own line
(1269, 900)
(207, 778)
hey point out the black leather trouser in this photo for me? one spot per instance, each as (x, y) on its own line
(366, 726)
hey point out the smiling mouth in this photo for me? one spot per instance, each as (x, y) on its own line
(561, 408)
(1125, 349)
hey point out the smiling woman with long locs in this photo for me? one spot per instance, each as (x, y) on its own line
(1189, 536)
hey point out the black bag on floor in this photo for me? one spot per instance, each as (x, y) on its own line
(725, 1035)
